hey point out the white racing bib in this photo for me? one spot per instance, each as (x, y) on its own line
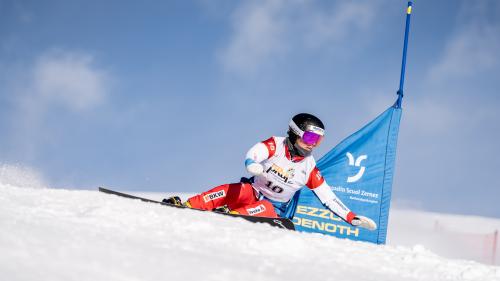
(282, 177)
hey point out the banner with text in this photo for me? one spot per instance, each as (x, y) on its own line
(360, 171)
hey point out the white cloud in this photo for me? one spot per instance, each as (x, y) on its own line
(473, 47)
(431, 117)
(425, 115)
(265, 31)
(70, 79)
(472, 50)
(258, 28)
(329, 26)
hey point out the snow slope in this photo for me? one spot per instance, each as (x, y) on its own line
(453, 236)
(54, 234)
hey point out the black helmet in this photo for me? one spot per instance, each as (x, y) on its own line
(304, 125)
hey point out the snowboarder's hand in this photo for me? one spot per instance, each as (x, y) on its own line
(255, 169)
(364, 222)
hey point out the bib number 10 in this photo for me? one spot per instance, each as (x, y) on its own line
(274, 188)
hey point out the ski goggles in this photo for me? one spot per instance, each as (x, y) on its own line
(311, 136)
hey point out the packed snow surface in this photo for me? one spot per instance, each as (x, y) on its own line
(54, 234)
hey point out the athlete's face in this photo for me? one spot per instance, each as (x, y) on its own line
(308, 147)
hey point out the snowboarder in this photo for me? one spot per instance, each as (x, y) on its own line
(280, 167)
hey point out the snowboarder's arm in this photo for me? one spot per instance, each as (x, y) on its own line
(325, 194)
(258, 153)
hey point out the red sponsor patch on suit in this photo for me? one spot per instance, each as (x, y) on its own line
(315, 179)
(271, 146)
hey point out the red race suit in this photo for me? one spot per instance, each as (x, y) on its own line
(283, 176)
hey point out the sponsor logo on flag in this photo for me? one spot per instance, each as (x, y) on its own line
(356, 163)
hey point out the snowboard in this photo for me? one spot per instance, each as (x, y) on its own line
(277, 222)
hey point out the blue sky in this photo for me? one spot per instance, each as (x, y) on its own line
(169, 95)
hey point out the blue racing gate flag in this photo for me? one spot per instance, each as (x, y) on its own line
(360, 171)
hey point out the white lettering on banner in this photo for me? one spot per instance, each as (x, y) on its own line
(356, 163)
(356, 192)
(353, 191)
(338, 188)
(257, 210)
(214, 195)
(326, 226)
(363, 200)
(369, 194)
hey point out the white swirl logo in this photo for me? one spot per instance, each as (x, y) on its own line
(356, 163)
